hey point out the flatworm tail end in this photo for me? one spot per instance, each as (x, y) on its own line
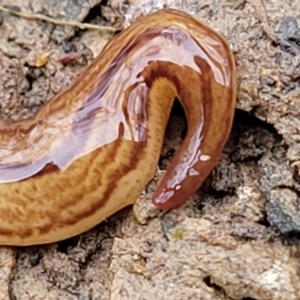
(207, 92)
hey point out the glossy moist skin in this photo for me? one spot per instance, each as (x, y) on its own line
(91, 150)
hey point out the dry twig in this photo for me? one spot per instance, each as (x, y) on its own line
(261, 12)
(260, 8)
(31, 16)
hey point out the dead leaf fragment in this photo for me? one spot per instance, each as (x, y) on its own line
(43, 59)
(68, 58)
